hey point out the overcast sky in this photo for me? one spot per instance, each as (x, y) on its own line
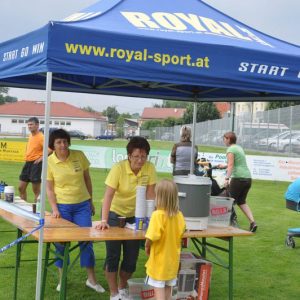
(279, 18)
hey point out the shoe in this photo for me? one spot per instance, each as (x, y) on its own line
(96, 287)
(253, 227)
(124, 294)
(115, 297)
(58, 287)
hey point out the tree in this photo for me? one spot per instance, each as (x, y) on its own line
(205, 111)
(89, 109)
(4, 97)
(279, 104)
(121, 119)
(151, 124)
(135, 116)
(170, 122)
(174, 104)
(111, 113)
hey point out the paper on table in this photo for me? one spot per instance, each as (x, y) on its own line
(130, 226)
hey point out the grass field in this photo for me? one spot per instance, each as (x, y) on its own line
(264, 268)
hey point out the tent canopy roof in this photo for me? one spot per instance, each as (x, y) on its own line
(171, 49)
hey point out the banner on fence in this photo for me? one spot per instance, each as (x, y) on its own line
(261, 167)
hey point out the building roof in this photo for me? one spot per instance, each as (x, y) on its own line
(30, 108)
(162, 113)
(222, 107)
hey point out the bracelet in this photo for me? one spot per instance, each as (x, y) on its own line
(103, 221)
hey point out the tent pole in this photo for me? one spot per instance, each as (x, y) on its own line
(233, 116)
(43, 186)
(193, 138)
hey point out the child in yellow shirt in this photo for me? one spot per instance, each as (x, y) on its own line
(163, 240)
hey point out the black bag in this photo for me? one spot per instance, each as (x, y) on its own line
(215, 189)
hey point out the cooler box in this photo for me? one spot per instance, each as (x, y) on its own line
(193, 193)
(220, 209)
(138, 290)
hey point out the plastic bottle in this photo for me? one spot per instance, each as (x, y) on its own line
(38, 204)
(2, 190)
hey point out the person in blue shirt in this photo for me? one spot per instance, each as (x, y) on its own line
(293, 191)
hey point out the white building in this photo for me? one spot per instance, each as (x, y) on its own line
(250, 108)
(13, 117)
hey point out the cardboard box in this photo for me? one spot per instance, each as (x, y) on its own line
(193, 270)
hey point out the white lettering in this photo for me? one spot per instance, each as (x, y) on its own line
(38, 48)
(214, 27)
(24, 51)
(262, 69)
(192, 20)
(139, 19)
(254, 37)
(181, 22)
(10, 55)
(168, 21)
(234, 32)
(243, 66)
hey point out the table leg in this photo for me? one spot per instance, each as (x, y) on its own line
(230, 269)
(18, 258)
(203, 247)
(45, 270)
(63, 286)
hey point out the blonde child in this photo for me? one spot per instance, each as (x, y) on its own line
(163, 240)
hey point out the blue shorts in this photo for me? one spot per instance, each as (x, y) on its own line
(81, 215)
(113, 249)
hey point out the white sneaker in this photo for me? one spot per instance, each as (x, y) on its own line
(124, 294)
(115, 297)
(96, 287)
(58, 287)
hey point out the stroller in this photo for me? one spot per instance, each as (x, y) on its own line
(216, 190)
(292, 232)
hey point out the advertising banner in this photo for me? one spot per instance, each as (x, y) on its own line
(261, 167)
(12, 151)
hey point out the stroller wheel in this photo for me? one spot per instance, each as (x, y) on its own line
(289, 242)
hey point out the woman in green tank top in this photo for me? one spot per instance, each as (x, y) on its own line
(238, 176)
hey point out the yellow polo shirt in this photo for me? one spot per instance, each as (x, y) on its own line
(69, 184)
(124, 181)
(165, 233)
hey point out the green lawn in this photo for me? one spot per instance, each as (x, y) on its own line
(264, 268)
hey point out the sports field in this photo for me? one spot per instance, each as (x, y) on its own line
(264, 268)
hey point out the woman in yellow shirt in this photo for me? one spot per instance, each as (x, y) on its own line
(69, 190)
(119, 200)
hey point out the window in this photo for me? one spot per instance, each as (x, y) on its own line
(14, 121)
(68, 123)
(56, 123)
(62, 123)
(21, 121)
(42, 122)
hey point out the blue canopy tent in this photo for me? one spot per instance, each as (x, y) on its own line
(159, 49)
(170, 49)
